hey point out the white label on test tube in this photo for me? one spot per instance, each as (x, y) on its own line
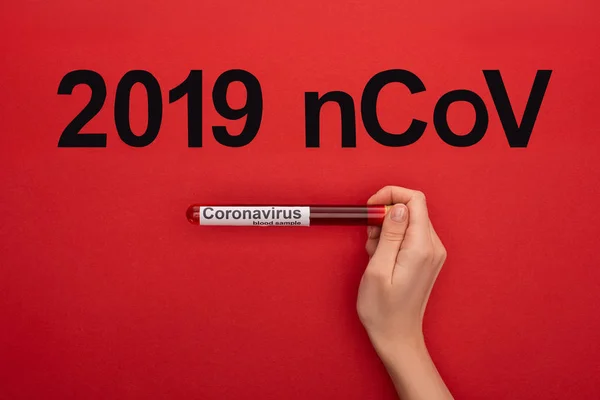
(254, 216)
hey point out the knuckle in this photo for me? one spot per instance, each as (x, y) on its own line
(374, 275)
(360, 309)
(370, 248)
(418, 195)
(443, 253)
(364, 312)
(421, 254)
(388, 189)
(392, 236)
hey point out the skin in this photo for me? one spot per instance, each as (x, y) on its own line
(405, 257)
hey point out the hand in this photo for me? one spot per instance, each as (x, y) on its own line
(406, 256)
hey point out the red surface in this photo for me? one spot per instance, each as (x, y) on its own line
(106, 291)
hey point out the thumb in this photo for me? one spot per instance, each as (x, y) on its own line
(392, 234)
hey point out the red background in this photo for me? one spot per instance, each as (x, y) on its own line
(106, 291)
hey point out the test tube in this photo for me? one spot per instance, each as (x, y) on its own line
(283, 215)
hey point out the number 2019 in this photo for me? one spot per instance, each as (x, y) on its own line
(191, 88)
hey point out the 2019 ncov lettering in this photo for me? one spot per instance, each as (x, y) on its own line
(517, 133)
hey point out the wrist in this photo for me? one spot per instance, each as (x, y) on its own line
(413, 372)
(403, 352)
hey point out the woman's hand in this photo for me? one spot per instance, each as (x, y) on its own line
(406, 256)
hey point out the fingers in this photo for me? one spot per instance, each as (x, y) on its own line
(412, 242)
(392, 234)
(391, 195)
(373, 233)
(418, 231)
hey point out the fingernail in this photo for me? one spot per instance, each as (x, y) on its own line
(398, 213)
(369, 231)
